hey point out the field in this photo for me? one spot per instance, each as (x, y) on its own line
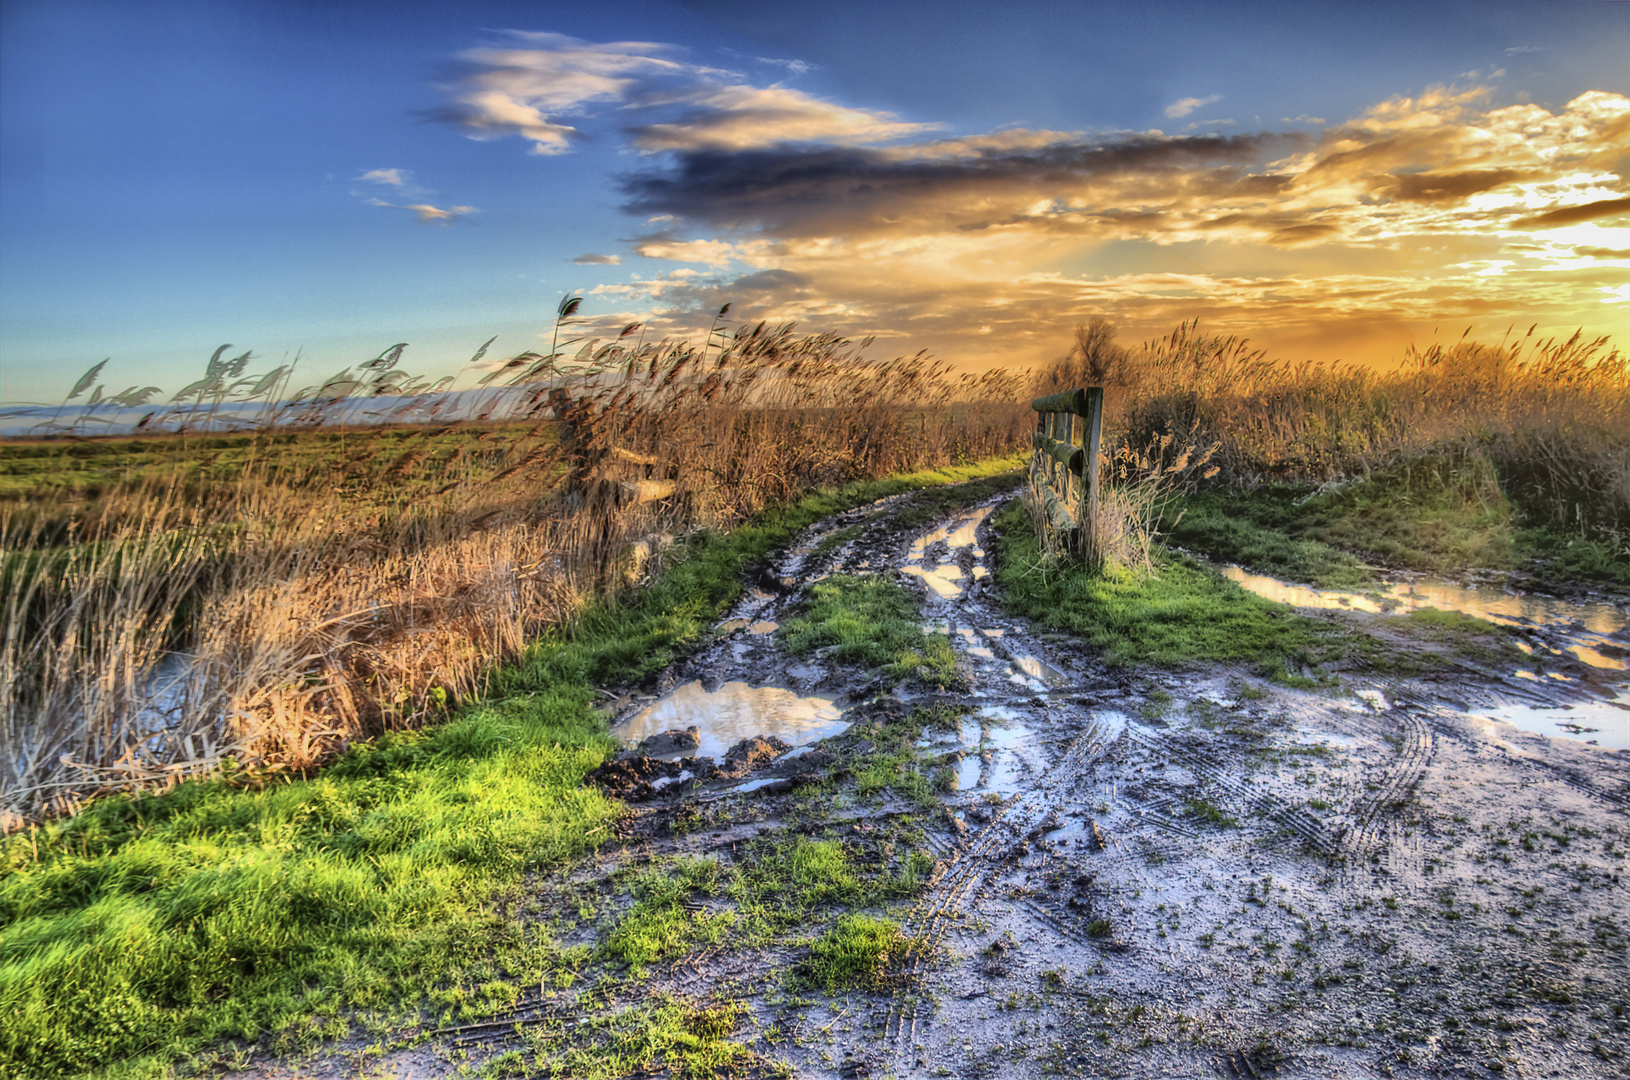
(1066, 807)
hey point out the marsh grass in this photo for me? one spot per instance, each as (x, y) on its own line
(1466, 454)
(317, 587)
(1541, 422)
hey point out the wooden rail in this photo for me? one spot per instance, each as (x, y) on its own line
(1064, 467)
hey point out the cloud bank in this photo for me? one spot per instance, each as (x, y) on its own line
(1440, 206)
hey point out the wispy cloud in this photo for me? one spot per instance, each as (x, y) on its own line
(426, 213)
(533, 83)
(1179, 109)
(402, 184)
(391, 177)
(598, 260)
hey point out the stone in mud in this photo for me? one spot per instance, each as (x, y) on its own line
(675, 741)
(631, 777)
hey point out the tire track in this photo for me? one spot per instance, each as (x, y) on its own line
(1264, 804)
(1414, 742)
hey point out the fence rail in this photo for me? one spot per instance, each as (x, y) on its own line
(1064, 467)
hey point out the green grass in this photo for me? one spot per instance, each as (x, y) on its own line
(859, 953)
(669, 1035)
(1251, 530)
(1441, 513)
(658, 927)
(1181, 614)
(151, 927)
(873, 622)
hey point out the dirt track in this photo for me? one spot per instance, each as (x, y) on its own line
(1163, 876)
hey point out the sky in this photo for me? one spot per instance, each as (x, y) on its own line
(323, 180)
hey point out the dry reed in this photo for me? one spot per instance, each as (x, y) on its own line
(303, 607)
(1552, 417)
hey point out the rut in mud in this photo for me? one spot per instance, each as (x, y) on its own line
(1124, 873)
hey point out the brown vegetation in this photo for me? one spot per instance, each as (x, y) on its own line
(316, 597)
(1549, 416)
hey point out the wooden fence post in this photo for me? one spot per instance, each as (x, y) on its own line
(1064, 467)
(1092, 430)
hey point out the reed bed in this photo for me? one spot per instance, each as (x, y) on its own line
(260, 601)
(1545, 423)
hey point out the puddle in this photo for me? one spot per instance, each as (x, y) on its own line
(942, 579)
(732, 713)
(1001, 742)
(958, 534)
(731, 626)
(763, 626)
(1045, 675)
(1604, 723)
(1581, 629)
(1594, 619)
(967, 772)
(754, 785)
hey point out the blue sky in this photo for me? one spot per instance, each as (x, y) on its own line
(1331, 180)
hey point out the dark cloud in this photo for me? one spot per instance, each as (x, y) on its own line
(1572, 215)
(1448, 187)
(769, 281)
(812, 191)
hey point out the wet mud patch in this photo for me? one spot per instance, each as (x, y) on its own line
(1076, 870)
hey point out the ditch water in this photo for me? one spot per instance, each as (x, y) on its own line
(1595, 633)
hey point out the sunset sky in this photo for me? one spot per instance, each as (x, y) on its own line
(1332, 180)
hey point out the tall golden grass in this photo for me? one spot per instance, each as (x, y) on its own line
(1552, 415)
(298, 609)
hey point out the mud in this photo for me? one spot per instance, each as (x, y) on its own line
(1147, 874)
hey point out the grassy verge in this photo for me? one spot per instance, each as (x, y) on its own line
(1184, 613)
(152, 927)
(1181, 614)
(1443, 513)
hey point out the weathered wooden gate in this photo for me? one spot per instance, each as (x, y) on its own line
(1064, 467)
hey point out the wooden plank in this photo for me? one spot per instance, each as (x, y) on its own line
(1061, 452)
(1070, 401)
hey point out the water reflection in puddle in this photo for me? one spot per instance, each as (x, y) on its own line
(1494, 605)
(732, 713)
(1605, 723)
(763, 626)
(1036, 674)
(958, 534)
(942, 579)
(1581, 629)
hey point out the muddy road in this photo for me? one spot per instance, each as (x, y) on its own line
(1125, 872)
